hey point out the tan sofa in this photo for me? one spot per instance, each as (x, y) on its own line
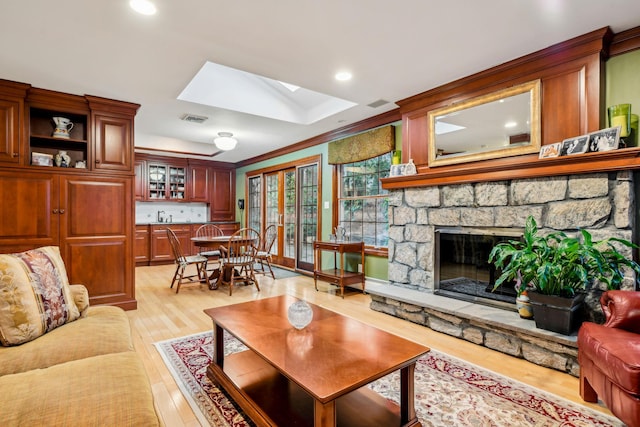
(82, 373)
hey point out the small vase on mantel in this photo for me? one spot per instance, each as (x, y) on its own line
(62, 159)
(410, 168)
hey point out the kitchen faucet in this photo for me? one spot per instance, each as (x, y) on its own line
(160, 216)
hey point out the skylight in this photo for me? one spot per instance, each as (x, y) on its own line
(225, 87)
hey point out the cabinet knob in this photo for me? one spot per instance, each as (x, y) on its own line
(97, 160)
(55, 211)
(14, 154)
(61, 211)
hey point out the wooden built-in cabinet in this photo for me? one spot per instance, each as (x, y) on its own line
(88, 217)
(160, 178)
(222, 195)
(12, 97)
(102, 133)
(199, 182)
(88, 212)
(113, 136)
(140, 181)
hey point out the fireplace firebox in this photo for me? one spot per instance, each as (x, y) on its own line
(462, 270)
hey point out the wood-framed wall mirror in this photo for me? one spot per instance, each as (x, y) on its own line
(499, 124)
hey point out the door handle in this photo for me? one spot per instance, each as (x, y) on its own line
(280, 218)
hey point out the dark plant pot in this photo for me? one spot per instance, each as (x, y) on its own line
(557, 314)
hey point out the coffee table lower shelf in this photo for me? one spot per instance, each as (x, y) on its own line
(271, 399)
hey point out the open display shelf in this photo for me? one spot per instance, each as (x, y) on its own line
(41, 139)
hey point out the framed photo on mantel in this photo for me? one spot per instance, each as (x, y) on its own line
(577, 145)
(605, 139)
(550, 150)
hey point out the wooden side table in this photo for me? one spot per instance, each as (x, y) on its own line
(338, 275)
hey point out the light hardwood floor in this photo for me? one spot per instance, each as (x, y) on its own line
(162, 314)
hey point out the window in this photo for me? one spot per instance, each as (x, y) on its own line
(363, 205)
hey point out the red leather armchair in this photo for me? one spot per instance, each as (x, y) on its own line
(609, 356)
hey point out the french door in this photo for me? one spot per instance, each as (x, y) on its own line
(287, 196)
(280, 210)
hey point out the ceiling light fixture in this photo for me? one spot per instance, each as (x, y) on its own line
(343, 76)
(225, 141)
(144, 7)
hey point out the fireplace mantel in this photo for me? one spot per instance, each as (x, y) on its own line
(529, 166)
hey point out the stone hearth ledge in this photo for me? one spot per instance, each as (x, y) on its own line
(494, 328)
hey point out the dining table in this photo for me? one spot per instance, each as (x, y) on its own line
(218, 242)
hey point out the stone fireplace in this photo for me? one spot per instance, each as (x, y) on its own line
(602, 203)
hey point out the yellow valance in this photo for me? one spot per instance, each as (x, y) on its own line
(362, 146)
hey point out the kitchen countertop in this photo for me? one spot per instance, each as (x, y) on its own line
(185, 222)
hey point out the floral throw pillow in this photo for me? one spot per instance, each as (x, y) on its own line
(35, 297)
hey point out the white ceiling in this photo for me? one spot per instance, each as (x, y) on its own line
(395, 49)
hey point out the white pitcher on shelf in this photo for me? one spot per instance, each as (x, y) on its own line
(63, 127)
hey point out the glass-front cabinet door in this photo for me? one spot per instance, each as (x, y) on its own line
(177, 178)
(166, 182)
(157, 182)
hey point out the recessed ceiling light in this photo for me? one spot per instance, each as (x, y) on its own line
(343, 76)
(144, 7)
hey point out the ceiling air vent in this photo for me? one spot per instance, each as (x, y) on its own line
(194, 118)
(378, 103)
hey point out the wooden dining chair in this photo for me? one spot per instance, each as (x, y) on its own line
(239, 256)
(212, 255)
(264, 253)
(182, 262)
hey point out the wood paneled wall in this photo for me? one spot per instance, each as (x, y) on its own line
(572, 82)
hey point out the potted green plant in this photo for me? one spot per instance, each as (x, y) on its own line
(556, 269)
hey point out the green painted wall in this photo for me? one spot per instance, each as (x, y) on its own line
(375, 267)
(623, 81)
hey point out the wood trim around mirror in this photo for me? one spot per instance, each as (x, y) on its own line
(532, 87)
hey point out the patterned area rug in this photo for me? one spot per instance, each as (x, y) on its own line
(449, 392)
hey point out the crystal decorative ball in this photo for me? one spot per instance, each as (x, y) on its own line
(299, 314)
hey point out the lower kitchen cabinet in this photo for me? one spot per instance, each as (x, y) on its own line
(161, 252)
(143, 245)
(152, 243)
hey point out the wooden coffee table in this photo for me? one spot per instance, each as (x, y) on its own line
(311, 377)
